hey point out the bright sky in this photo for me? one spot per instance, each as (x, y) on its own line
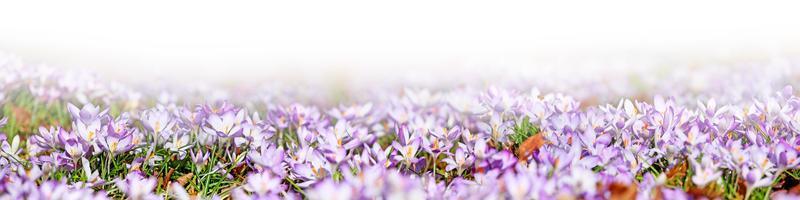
(191, 40)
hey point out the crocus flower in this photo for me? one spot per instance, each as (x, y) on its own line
(117, 140)
(340, 135)
(310, 172)
(87, 114)
(11, 150)
(352, 113)
(330, 190)
(88, 132)
(518, 186)
(440, 140)
(335, 155)
(200, 159)
(459, 161)
(92, 177)
(48, 138)
(755, 178)
(407, 152)
(693, 137)
(136, 186)
(74, 148)
(705, 172)
(784, 156)
(159, 122)
(585, 181)
(150, 157)
(178, 143)
(502, 160)
(264, 184)
(225, 125)
(268, 158)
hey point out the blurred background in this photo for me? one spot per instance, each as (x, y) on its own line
(376, 42)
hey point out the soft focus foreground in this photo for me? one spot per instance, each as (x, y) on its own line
(726, 132)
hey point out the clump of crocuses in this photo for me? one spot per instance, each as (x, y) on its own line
(498, 143)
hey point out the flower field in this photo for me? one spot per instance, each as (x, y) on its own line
(74, 135)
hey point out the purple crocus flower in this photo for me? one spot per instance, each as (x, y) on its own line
(11, 149)
(264, 185)
(310, 172)
(226, 125)
(440, 140)
(705, 172)
(518, 186)
(459, 161)
(92, 177)
(159, 122)
(693, 138)
(330, 190)
(334, 155)
(502, 160)
(407, 146)
(755, 178)
(267, 159)
(117, 140)
(784, 156)
(48, 138)
(74, 149)
(340, 136)
(179, 143)
(200, 159)
(88, 133)
(87, 114)
(352, 113)
(136, 186)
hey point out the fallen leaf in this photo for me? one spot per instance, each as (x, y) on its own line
(166, 178)
(657, 193)
(709, 192)
(622, 191)
(480, 170)
(22, 116)
(677, 171)
(185, 178)
(795, 189)
(530, 145)
(192, 191)
(742, 187)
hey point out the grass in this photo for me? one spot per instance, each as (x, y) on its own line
(522, 130)
(25, 114)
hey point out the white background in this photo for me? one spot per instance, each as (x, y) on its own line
(233, 41)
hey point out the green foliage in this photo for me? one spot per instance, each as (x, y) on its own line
(522, 130)
(25, 113)
(730, 185)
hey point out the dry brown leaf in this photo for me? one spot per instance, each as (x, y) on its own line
(565, 196)
(192, 191)
(22, 116)
(480, 170)
(166, 179)
(795, 189)
(530, 145)
(657, 194)
(185, 179)
(677, 171)
(742, 187)
(622, 191)
(709, 192)
(569, 140)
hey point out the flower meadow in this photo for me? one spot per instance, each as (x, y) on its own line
(73, 135)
